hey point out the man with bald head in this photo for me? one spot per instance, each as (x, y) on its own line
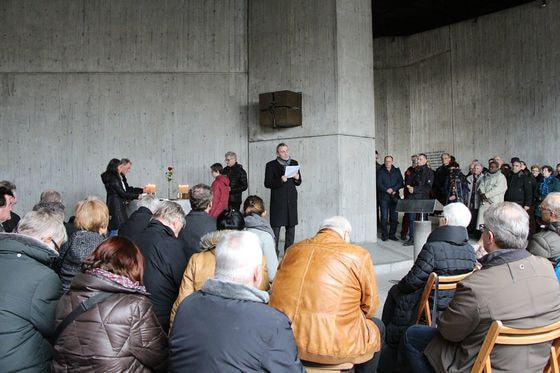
(326, 286)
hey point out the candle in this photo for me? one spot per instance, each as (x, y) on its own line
(150, 188)
(183, 191)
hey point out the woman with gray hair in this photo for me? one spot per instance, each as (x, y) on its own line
(30, 291)
(447, 252)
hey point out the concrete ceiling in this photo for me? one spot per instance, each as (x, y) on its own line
(407, 17)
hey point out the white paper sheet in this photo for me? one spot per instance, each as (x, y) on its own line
(291, 171)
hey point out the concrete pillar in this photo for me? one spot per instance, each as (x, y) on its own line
(322, 48)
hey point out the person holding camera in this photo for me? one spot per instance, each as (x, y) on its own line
(389, 182)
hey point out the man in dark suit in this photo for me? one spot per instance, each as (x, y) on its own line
(283, 195)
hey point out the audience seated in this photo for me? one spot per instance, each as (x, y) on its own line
(5, 206)
(202, 265)
(254, 212)
(198, 222)
(165, 258)
(92, 219)
(118, 333)
(326, 286)
(139, 219)
(447, 252)
(227, 326)
(10, 224)
(546, 243)
(513, 286)
(29, 291)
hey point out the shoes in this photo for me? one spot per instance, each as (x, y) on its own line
(393, 238)
(384, 238)
(408, 243)
(403, 237)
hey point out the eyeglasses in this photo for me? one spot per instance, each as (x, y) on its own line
(56, 247)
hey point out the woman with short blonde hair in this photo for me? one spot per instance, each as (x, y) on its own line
(92, 219)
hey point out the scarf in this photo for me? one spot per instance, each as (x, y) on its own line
(544, 188)
(232, 290)
(283, 162)
(119, 279)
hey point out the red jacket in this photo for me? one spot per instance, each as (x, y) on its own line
(220, 195)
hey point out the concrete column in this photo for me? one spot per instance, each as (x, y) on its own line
(322, 48)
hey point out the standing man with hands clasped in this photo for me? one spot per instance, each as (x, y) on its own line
(283, 194)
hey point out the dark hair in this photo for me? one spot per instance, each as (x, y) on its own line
(8, 185)
(388, 156)
(117, 255)
(514, 159)
(422, 155)
(230, 219)
(3, 193)
(281, 145)
(113, 165)
(217, 167)
(253, 205)
(547, 167)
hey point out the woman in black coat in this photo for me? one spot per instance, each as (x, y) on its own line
(117, 196)
(447, 252)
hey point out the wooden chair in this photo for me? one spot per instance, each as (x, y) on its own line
(320, 368)
(500, 334)
(443, 283)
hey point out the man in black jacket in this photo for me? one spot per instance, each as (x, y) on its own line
(198, 222)
(421, 182)
(139, 220)
(165, 259)
(227, 325)
(283, 195)
(237, 180)
(440, 178)
(12, 222)
(519, 188)
(389, 182)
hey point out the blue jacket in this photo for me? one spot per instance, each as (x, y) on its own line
(388, 179)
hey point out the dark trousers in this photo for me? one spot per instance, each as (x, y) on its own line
(388, 210)
(416, 339)
(404, 226)
(370, 366)
(235, 206)
(289, 238)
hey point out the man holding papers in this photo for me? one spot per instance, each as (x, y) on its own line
(282, 175)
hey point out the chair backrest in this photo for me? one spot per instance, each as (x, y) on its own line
(500, 334)
(443, 283)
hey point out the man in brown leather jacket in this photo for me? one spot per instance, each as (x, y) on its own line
(326, 286)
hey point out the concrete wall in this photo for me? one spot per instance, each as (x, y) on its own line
(324, 50)
(477, 89)
(161, 83)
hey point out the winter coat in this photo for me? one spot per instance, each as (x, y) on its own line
(220, 195)
(128, 188)
(228, 327)
(519, 189)
(546, 243)
(421, 180)
(553, 186)
(82, 244)
(197, 224)
(136, 223)
(260, 226)
(283, 195)
(164, 265)
(513, 286)
(117, 198)
(441, 176)
(202, 266)
(29, 291)
(447, 252)
(327, 289)
(119, 334)
(493, 186)
(237, 182)
(473, 192)
(388, 179)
